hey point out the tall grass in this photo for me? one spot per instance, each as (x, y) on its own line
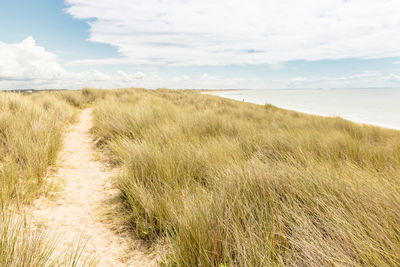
(30, 137)
(30, 134)
(31, 129)
(237, 184)
(81, 98)
(23, 245)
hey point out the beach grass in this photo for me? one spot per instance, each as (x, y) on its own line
(31, 131)
(228, 183)
(221, 182)
(31, 135)
(22, 244)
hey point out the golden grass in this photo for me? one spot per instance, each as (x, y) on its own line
(236, 184)
(30, 134)
(31, 129)
(82, 98)
(23, 245)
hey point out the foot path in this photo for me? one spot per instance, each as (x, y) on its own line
(86, 191)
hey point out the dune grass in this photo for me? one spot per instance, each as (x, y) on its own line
(21, 245)
(30, 137)
(236, 184)
(31, 129)
(81, 98)
(30, 134)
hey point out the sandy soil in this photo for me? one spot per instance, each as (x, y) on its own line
(86, 191)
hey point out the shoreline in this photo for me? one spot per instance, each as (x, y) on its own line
(218, 93)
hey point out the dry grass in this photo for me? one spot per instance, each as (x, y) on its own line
(23, 245)
(30, 137)
(31, 129)
(30, 134)
(237, 184)
(82, 98)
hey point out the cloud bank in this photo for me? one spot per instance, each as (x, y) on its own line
(27, 65)
(225, 32)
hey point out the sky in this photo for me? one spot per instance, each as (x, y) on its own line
(207, 44)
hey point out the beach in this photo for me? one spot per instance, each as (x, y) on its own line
(370, 106)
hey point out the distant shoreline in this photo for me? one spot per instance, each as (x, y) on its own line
(217, 93)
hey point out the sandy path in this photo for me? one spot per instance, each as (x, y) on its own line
(87, 189)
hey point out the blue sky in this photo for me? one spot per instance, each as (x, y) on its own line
(199, 44)
(47, 22)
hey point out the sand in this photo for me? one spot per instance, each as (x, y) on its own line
(76, 211)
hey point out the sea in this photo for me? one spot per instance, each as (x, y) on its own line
(375, 106)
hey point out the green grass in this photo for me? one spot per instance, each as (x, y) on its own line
(236, 184)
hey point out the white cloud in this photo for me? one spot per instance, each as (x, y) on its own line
(27, 61)
(27, 65)
(209, 32)
(392, 78)
(297, 82)
(360, 80)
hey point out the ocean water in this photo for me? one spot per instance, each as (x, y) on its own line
(379, 107)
